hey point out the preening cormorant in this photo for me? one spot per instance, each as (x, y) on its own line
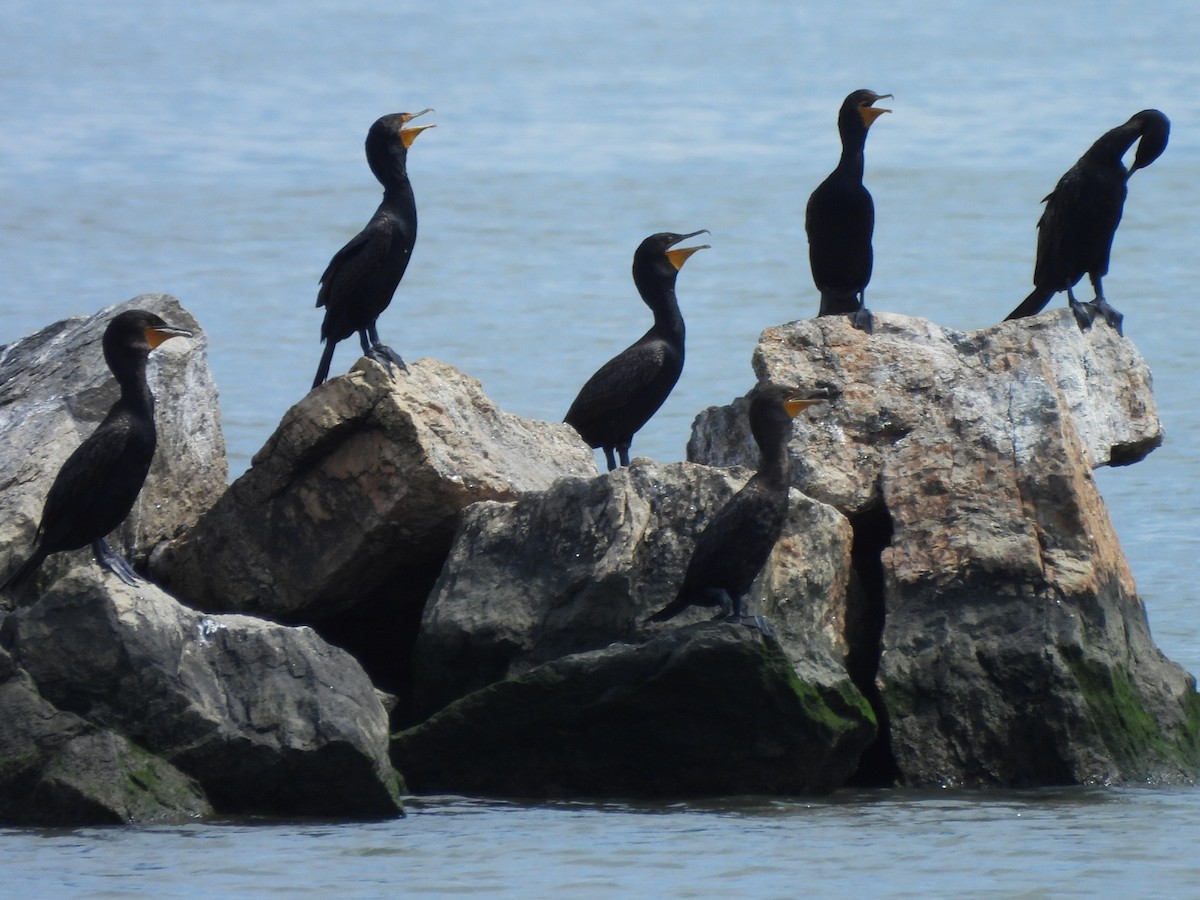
(840, 218)
(96, 487)
(628, 389)
(360, 280)
(735, 545)
(1075, 232)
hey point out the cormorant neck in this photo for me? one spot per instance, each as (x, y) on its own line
(667, 317)
(135, 390)
(775, 463)
(1112, 146)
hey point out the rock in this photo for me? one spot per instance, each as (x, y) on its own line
(54, 390)
(912, 376)
(346, 514)
(268, 719)
(56, 769)
(703, 710)
(1009, 645)
(580, 565)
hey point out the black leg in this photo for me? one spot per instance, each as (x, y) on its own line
(609, 458)
(624, 453)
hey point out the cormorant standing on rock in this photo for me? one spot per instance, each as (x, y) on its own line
(360, 280)
(735, 545)
(628, 389)
(840, 218)
(96, 487)
(1075, 232)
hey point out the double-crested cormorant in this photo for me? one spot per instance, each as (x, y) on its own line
(735, 545)
(628, 389)
(360, 280)
(96, 487)
(1075, 232)
(841, 218)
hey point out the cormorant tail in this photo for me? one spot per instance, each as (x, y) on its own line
(1032, 305)
(326, 359)
(26, 569)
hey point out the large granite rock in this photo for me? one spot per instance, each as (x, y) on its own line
(580, 565)
(345, 516)
(534, 657)
(57, 769)
(1012, 647)
(54, 390)
(709, 709)
(268, 719)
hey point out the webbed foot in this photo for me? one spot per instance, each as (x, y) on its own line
(115, 563)
(387, 357)
(1085, 313)
(863, 320)
(1110, 315)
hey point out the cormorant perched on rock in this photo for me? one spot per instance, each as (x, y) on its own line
(735, 545)
(96, 487)
(841, 218)
(1075, 232)
(628, 389)
(360, 280)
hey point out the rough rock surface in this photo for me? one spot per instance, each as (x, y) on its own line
(364, 476)
(345, 516)
(581, 565)
(54, 390)
(58, 769)
(1012, 646)
(268, 719)
(702, 710)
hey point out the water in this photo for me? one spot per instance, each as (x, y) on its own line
(214, 151)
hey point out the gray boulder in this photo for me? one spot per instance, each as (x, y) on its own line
(54, 390)
(268, 719)
(57, 769)
(706, 709)
(580, 566)
(345, 516)
(1009, 645)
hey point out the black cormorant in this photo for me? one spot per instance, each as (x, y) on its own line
(1075, 232)
(735, 545)
(840, 218)
(628, 389)
(360, 280)
(96, 487)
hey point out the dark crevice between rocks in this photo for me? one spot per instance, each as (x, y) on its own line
(865, 615)
(381, 633)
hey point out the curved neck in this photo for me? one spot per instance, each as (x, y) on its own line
(668, 320)
(135, 390)
(854, 140)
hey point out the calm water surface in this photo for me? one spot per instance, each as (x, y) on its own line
(214, 151)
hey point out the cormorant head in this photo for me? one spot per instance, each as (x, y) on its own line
(772, 408)
(657, 255)
(860, 104)
(1155, 129)
(388, 142)
(133, 334)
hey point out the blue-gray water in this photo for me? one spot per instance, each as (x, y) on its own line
(214, 151)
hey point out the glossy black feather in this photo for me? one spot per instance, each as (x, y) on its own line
(1077, 227)
(628, 389)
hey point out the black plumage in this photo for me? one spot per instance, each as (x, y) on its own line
(359, 281)
(1076, 229)
(840, 218)
(96, 487)
(735, 545)
(628, 389)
